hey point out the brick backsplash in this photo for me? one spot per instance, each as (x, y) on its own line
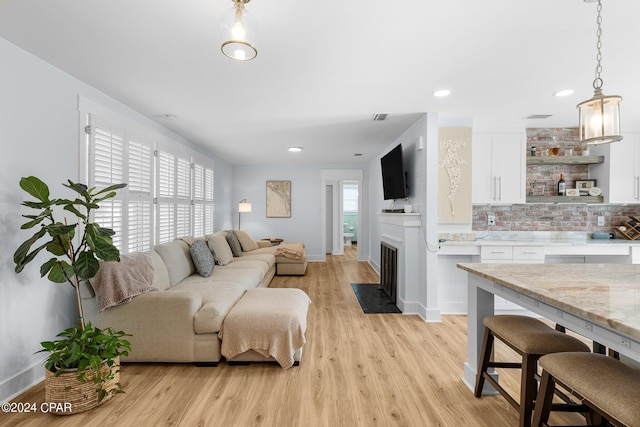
(580, 217)
(552, 217)
(543, 139)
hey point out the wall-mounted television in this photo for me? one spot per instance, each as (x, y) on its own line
(394, 177)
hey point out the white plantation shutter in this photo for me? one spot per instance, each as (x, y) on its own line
(183, 197)
(107, 159)
(115, 159)
(174, 197)
(167, 196)
(140, 192)
(202, 200)
(166, 189)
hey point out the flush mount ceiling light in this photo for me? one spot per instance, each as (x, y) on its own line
(239, 30)
(600, 115)
(564, 92)
(295, 149)
(441, 93)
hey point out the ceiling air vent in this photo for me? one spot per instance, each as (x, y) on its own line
(538, 116)
(379, 117)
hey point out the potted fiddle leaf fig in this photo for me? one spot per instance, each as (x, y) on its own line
(82, 368)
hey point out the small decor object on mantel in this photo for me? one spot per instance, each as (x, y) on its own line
(89, 354)
(573, 192)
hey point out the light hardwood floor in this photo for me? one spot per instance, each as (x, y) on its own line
(357, 370)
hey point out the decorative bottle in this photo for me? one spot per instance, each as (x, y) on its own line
(562, 186)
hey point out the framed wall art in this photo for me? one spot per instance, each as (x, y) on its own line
(278, 199)
(583, 185)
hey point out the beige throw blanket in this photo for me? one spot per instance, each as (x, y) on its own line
(293, 250)
(118, 282)
(269, 321)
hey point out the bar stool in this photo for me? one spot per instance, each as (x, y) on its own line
(607, 386)
(531, 339)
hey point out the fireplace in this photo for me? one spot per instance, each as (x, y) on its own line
(389, 270)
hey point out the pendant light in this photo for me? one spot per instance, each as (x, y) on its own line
(599, 116)
(239, 29)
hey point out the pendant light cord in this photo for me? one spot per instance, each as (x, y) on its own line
(597, 83)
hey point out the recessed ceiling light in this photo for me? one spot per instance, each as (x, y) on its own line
(295, 149)
(564, 92)
(441, 93)
(538, 116)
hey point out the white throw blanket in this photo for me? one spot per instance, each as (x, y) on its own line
(269, 321)
(118, 282)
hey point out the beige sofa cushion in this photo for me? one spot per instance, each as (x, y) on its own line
(160, 273)
(217, 300)
(246, 241)
(255, 264)
(177, 258)
(248, 277)
(218, 244)
(268, 259)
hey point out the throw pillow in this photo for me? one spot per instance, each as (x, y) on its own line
(246, 241)
(234, 243)
(218, 244)
(202, 258)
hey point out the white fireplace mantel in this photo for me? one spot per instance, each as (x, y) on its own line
(401, 219)
(402, 231)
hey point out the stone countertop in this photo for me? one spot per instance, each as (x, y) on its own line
(608, 294)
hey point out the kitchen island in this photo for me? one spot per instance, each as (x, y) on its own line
(520, 248)
(598, 301)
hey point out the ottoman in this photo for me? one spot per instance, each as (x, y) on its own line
(291, 259)
(266, 324)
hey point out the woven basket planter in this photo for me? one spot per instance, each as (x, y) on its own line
(81, 396)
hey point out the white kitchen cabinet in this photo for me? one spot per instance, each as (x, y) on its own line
(499, 167)
(619, 176)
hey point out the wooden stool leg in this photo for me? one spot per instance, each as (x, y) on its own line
(528, 388)
(485, 356)
(543, 400)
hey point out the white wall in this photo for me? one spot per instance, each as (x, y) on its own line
(421, 166)
(39, 136)
(305, 224)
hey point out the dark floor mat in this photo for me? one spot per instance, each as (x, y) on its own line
(373, 299)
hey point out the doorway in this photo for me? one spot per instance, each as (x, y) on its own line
(350, 212)
(334, 226)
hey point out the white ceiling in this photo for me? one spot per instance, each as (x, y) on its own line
(325, 67)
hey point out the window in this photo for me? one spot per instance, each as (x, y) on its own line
(202, 200)
(140, 200)
(174, 197)
(107, 157)
(114, 158)
(168, 195)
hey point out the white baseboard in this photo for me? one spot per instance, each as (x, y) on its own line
(410, 308)
(453, 307)
(21, 382)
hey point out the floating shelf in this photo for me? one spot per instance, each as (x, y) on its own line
(564, 160)
(565, 199)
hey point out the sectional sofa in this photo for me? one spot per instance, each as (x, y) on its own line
(176, 313)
